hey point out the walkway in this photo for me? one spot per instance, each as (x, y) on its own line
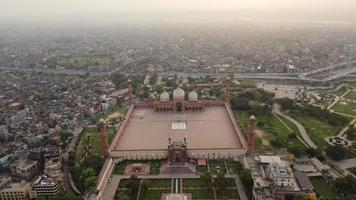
(300, 127)
(337, 99)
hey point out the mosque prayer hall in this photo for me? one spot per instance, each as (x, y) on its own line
(178, 128)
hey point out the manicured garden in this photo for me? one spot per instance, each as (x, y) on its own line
(154, 165)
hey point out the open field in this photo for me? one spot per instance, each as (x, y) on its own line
(339, 92)
(348, 108)
(351, 95)
(272, 129)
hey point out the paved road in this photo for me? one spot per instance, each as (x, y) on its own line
(300, 127)
(348, 163)
(68, 182)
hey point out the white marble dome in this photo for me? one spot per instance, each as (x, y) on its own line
(164, 97)
(193, 96)
(178, 94)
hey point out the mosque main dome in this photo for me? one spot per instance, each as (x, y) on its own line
(164, 97)
(178, 94)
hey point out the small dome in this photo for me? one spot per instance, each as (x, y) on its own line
(193, 96)
(164, 97)
(178, 93)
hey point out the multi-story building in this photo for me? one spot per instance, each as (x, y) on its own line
(27, 169)
(44, 186)
(16, 191)
(274, 179)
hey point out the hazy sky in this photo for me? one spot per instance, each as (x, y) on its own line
(23, 9)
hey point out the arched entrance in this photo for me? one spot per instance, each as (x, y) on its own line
(179, 107)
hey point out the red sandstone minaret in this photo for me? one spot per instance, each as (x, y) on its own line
(103, 138)
(228, 89)
(129, 86)
(251, 136)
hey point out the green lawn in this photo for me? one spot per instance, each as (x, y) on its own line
(323, 189)
(158, 183)
(200, 193)
(351, 95)
(317, 130)
(228, 194)
(193, 183)
(348, 108)
(273, 129)
(339, 92)
(153, 194)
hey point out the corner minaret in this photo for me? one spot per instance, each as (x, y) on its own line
(228, 89)
(103, 138)
(129, 86)
(251, 136)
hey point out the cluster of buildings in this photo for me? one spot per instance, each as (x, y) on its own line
(245, 49)
(42, 186)
(276, 179)
(38, 115)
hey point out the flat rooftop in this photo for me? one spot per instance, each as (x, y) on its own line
(210, 128)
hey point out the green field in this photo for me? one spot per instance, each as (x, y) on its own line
(348, 108)
(200, 193)
(317, 130)
(323, 189)
(351, 95)
(272, 128)
(153, 194)
(339, 92)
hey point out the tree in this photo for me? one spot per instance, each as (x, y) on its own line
(88, 172)
(297, 150)
(287, 104)
(207, 179)
(346, 185)
(239, 103)
(298, 197)
(220, 182)
(310, 152)
(133, 185)
(61, 195)
(159, 89)
(246, 179)
(336, 152)
(144, 187)
(89, 182)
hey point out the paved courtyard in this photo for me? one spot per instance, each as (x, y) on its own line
(210, 128)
